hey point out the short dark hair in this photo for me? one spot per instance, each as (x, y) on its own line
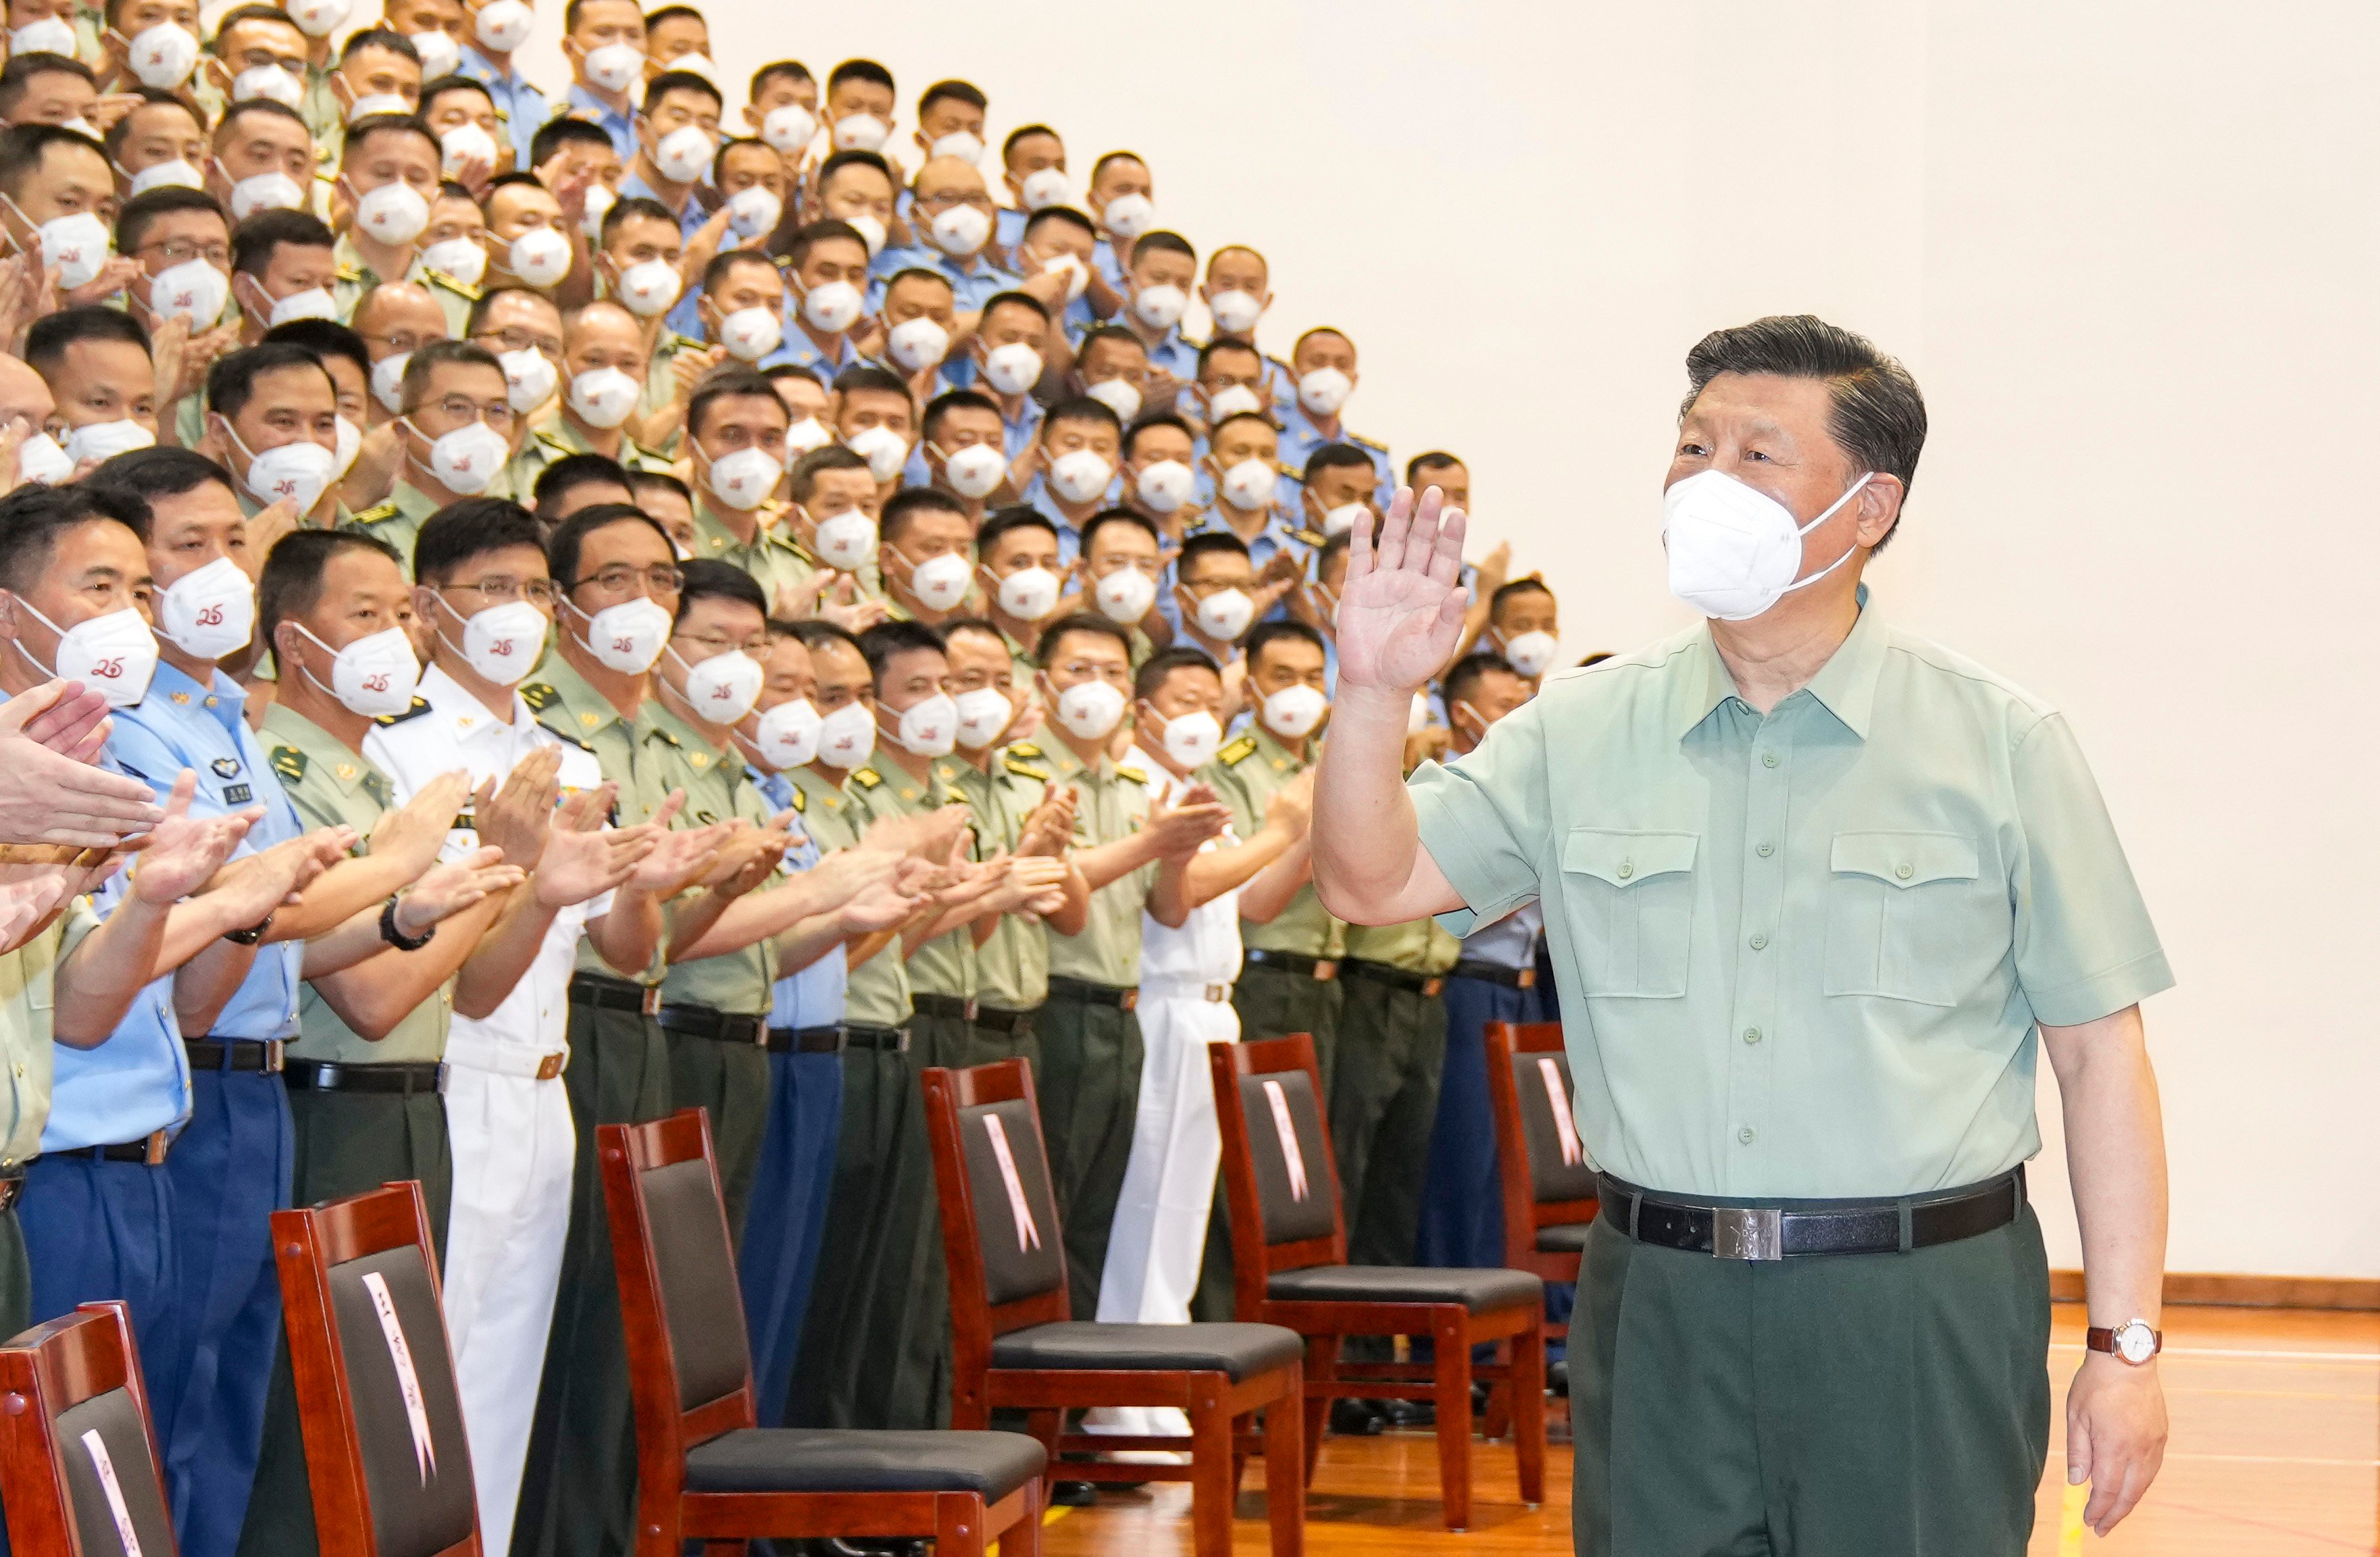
(950, 400)
(572, 471)
(1530, 584)
(640, 483)
(254, 240)
(1216, 430)
(669, 81)
(1081, 408)
(1008, 145)
(291, 584)
(809, 234)
(866, 377)
(917, 273)
(859, 70)
(134, 217)
(1164, 663)
(21, 68)
(560, 131)
(1335, 457)
(431, 356)
(729, 384)
(1108, 333)
(486, 302)
(432, 91)
(1204, 543)
(323, 337)
(1016, 299)
(34, 517)
(386, 38)
(724, 263)
(1108, 159)
(1876, 411)
(1080, 622)
(231, 382)
(909, 502)
(23, 147)
(1220, 343)
(1466, 673)
(158, 472)
(150, 97)
(787, 69)
(672, 13)
(265, 105)
(802, 480)
(1433, 459)
(887, 640)
(46, 342)
(816, 633)
(1000, 522)
(569, 537)
(627, 208)
(472, 528)
(1155, 419)
(1264, 634)
(1120, 517)
(363, 130)
(958, 91)
(707, 579)
(840, 160)
(1163, 243)
(1065, 214)
(238, 14)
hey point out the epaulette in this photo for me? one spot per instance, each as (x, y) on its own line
(566, 735)
(377, 514)
(801, 801)
(550, 439)
(349, 272)
(1237, 752)
(1363, 442)
(1135, 774)
(539, 695)
(683, 343)
(463, 290)
(866, 778)
(1023, 748)
(1025, 770)
(1286, 468)
(419, 707)
(665, 734)
(1308, 537)
(503, 114)
(289, 762)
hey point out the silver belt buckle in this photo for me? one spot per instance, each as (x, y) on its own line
(1747, 1233)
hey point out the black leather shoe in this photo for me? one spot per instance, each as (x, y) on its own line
(1411, 1412)
(1357, 1419)
(1073, 1494)
(1558, 1376)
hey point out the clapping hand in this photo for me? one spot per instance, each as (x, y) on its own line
(582, 859)
(415, 831)
(682, 855)
(248, 889)
(50, 793)
(519, 819)
(1292, 806)
(184, 852)
(447, 890)
(1195, 817)
(1401, 610)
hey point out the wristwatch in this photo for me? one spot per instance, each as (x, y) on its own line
(251, 935)
(2132, 1342)
(397, 938)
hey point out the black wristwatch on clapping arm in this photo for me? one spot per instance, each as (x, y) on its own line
(397, 938)
(251, 935)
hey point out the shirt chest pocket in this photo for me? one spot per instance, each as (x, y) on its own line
(1909, 918)
(1629, 899)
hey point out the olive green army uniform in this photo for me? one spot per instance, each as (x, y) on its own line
(661, 383)
(365, 1113)
(398, 521)
(1803, 956)
(723, 1070)
(1090, 1033)
(355, 279)
(557, 438)
(28, 1008)
(1384, 1092)
(579, 1483)
(1013, 966)
(774, 559)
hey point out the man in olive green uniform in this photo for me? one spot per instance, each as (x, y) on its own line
(736, 419)
(1818, 892)
(1384, 1092)
(1090, 1038)
(450, 387)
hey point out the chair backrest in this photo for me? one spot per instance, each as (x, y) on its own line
(79, 1468)
(1548, 1178)
(385, 1452)
(1279, 1175)
(689, 1358)
(1001, 1236)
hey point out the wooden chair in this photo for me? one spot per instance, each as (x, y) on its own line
(1014, 1345)
(79, 1461)
(1289, 1248)
(704, 1471)
(1550, 1185)
(386, 1454)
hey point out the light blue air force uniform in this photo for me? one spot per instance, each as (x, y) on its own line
(974, 285)
(521, 107)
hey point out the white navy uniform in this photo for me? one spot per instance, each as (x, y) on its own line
(1160, 1234)
(507, 1111)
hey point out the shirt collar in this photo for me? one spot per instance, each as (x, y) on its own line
(1845, 685)
(322, 749)
(222, 699)
(464, 712)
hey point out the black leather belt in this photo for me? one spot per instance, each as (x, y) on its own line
(1824, 1227)
(149, 1151)
(806, 1040)
(724, 1027)
(12, 1187)
(1302, 967)
(1395, 978)
(992, 1018)
(1087, 994)
(614, 995)
(401, 1079)
(950, 1006)
(265, 1055)
(1496, 973)
(868, 1034)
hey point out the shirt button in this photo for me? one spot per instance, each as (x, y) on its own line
(1745, 1135)
(1752, 1035)
(1765, 850)
(1768, 760)
(1627, 868)
(1901, 870)
(1760, 943)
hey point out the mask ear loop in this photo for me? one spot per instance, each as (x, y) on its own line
(1850, 493)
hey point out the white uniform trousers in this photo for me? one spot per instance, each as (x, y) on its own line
(512, 1152)
(1159, 1238)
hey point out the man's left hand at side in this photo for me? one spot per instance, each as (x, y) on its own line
(2114, 1435)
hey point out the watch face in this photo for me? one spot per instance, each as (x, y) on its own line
(2136, 1343)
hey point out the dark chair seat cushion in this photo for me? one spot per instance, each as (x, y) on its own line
(1241, 1350)
(1479, 1291)
(1563, 1238)
(801, 1460)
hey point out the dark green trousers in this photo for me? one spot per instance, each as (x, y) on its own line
(908, 1328)
(836, 1383)
(1271, 1003)
(578, 1485)
(729, 1081)
(1383, 1107)
(1810, 1408)
(1089, 1088)
(347, 1143)
(15, 1278)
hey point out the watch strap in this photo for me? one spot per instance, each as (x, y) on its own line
(2102, 1338)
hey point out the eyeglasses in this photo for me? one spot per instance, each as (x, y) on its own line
(177, 250)
(498, 414)
(537, 591)
(621, 578)
(518, 339)
(941, 202)
(755, 646)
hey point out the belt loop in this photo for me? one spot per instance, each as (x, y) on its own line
(1635, 1209)
(2016, 1181)
(1907, 1224)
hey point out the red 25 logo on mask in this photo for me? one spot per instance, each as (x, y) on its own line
(211, 616)
(376, 683)
(109, 668)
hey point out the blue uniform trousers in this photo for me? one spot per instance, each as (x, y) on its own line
(97, 1229)
(230, 1170)
(787, 1217)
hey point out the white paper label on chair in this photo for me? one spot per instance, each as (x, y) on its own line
(409, 1383)
(115, 1490)
(1287, 1130)
(1028, 1236)
(1564, 1126)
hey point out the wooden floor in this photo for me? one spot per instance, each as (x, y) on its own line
(2275, 1452)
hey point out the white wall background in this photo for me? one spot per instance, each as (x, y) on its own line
(2129, 250)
